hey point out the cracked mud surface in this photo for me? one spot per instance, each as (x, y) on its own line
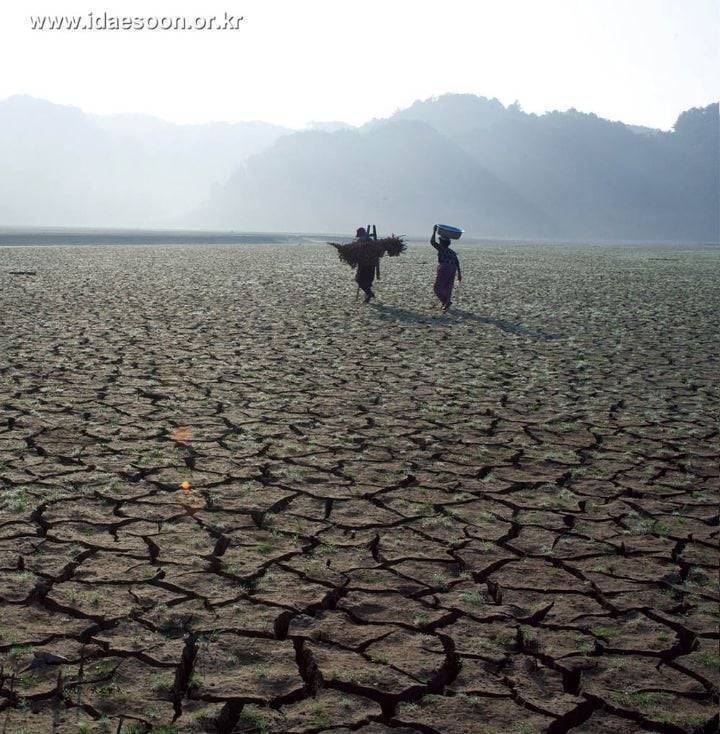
(232, 499)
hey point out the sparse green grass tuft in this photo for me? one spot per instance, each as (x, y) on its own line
(252, 718)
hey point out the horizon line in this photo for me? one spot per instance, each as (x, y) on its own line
(309, 125)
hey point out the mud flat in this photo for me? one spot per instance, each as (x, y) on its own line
(232, 499)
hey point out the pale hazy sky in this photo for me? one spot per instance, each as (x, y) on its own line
(640, 61)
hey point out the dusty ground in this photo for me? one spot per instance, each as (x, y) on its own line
(234, 500)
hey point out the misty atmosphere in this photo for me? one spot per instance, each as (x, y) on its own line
(359, 367)
(498, 170)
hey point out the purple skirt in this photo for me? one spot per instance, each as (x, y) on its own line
(444, 282)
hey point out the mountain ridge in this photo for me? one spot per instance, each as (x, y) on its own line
(565, 175)
(60, 166)
(493, 169)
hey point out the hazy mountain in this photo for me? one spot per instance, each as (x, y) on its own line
(60, 166)
(594, 177)
(456, 114)
(398, 175)
(328, 126)
(494, 170)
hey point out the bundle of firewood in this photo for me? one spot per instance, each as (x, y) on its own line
(393, 245)
(354, 252)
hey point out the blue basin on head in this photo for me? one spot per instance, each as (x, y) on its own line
(447, 230)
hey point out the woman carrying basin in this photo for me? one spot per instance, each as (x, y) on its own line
(448, 263)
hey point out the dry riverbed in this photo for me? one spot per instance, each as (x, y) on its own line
(234, 499)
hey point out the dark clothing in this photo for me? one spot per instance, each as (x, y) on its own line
(444, 281)
(446, 255)
(448, 268)
(365, 276)
(367, 269)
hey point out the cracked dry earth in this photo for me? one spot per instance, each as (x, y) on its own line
(232, 499)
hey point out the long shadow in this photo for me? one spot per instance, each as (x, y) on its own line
(509, 327)
(455, 314)
(406, 316)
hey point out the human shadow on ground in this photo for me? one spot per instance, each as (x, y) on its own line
(455, 315)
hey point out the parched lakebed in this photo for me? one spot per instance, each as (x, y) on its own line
(235, 499)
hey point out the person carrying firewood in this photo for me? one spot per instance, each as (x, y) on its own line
(368, 267)
(363, 256)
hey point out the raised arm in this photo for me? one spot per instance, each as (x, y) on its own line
(432, 239)
(374, 236)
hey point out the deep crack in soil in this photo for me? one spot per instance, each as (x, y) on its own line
(232, 499)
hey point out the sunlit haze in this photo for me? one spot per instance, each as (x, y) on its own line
(290, 62)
